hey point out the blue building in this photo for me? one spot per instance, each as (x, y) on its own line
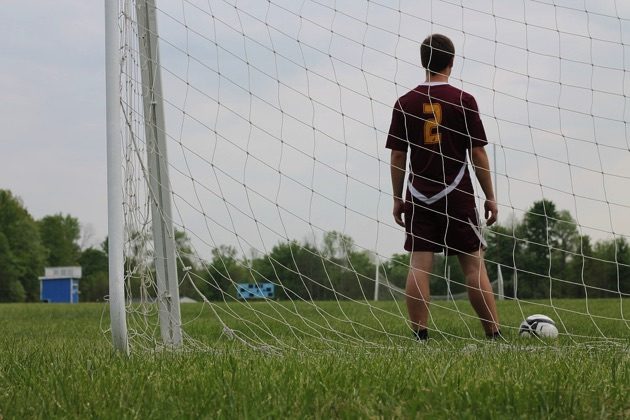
(255, 291)
(60, 285)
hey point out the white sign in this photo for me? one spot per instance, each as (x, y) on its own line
(64, 272)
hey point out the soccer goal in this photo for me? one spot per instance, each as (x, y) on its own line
(248, 169)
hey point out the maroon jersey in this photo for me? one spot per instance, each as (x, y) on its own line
(439, 123)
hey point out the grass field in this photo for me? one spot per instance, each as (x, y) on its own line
(55, 362)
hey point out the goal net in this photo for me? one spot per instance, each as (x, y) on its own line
(253, 137)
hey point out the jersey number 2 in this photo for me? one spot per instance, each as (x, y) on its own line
(431, 133)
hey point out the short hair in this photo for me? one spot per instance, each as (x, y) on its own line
(437, 52)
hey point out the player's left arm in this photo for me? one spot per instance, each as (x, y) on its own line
(481, 164)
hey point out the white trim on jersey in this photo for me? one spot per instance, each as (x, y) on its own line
(477, 231)
(430, 200)
(433, 83)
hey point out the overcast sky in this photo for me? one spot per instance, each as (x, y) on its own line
(551, 83)
(52, 152)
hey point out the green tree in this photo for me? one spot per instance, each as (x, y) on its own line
(189, 266)
(222, 274)
(534, 261)
(60, 235)
(566, 244)
(503, 250)
(336, 245)
(542, 248)
(16, 292)
(356, 274)
(301, 271)
(296, 270)
(9, 273)
(348, 272)
(611, 261)
(395, 269)
(24, 253)
(581, 269)
(94, 285)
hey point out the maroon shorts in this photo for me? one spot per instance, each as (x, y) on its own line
(450, 225)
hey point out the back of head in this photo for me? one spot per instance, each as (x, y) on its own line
(437, 52)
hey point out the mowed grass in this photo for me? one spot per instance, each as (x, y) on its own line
(332, 360)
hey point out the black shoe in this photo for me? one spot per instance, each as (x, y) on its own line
(421, 335)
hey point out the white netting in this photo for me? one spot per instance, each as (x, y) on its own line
(276, 118)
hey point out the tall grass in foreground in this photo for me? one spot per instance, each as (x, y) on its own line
(56, 362)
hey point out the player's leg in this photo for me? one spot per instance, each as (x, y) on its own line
(480, 290)
(418, 292)
(424, 234)
(465, 239)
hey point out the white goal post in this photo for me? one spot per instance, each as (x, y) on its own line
(247, 168)
(114, 182)
(157, 178)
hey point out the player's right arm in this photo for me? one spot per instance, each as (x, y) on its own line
(397, 167)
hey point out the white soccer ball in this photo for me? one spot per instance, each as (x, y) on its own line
(538, 326)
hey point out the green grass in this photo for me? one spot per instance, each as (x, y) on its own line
(55, 362)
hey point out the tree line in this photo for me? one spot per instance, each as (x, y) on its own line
(28, 245)
(543, 254)
(551, 258)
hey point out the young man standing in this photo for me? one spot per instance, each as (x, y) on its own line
(439, 125)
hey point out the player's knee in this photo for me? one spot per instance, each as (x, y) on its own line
(473, 277)
(473, 273)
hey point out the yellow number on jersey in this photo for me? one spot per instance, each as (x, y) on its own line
(431, 132)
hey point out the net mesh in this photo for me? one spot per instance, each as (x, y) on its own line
(276, 118)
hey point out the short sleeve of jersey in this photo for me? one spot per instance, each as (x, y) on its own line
(397, 137)
(474, 126)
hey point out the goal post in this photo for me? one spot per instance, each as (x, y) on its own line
(155, 174)
(115, 224)
(272, 208)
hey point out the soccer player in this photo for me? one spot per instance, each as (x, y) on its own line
(439, 125)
